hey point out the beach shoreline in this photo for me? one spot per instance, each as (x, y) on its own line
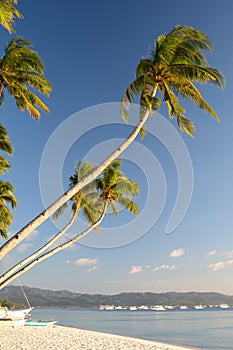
(65, 338)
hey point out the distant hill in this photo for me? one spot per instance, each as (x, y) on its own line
(63, 298)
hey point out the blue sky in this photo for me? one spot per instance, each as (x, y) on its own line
(90, 51)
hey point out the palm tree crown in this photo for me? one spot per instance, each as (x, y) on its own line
(21, 68)
(6, 197)
(173, 67)
(115, 187)
(85, 200)
(7, 14)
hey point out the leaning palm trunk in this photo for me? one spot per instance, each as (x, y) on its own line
(31, 226)
(55, 250)
(39, 251)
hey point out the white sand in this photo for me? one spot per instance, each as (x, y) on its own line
(66, 338)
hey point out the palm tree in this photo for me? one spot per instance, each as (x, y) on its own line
(21, 68)
(7, 14)
(175, 65)
(6, 197)
(113, 186)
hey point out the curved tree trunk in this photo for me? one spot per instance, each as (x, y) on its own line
(31, 226)
(39, 251)
(55, 250)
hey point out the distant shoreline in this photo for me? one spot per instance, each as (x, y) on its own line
(44, 298)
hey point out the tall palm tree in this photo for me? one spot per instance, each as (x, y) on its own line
(7, 13)
(175, 65)
(113, 186)
(21, 68)
(6, 197)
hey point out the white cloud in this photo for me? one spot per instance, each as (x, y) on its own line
(177, 253)
(229, 254)
(212, 252)
(85, 262)
(92, 268)
(220, 265)
(24, 247)
(165, 267)
(135, 269)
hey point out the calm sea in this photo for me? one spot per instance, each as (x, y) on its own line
(207, 329)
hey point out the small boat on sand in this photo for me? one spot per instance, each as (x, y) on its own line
(33, 323)
(13, 317)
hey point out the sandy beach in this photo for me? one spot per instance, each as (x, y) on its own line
(66, 338)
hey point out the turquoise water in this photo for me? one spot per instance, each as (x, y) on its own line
(203, 329)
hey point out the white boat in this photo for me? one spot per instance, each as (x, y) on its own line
(118, 307)
(19, 313)
(9, 322)
(106, 307)
(13, 317)
(224, 306)
(198, 307)
(143, 307)
(183, 307)
(158, 308)
(133, 308)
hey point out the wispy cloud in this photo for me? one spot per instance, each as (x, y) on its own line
(86, 262)
(34, 234)
(212, 252)
(93, 268)
(220, 265)
(177, 253)
(24, 247)
(135, 269)
(165, 267)
(228, 254)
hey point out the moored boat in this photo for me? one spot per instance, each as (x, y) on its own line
(33, 323)
(13, 317)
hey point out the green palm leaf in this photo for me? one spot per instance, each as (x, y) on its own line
(21, 69)
(7, 14)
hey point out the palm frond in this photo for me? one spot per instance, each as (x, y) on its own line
(59, 212)
(113, 208)
(185, 125)
(188, 90)
(200, 74)
(128, 204)
(130, 94)
(183, 44)
(7, 14)
(4, 165)
(5, 144)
